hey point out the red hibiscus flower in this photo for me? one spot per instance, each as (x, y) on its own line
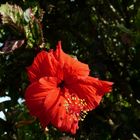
(61, 91)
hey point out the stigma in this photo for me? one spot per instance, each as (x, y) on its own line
(75, 107)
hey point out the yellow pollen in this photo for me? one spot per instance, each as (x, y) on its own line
(75, 107)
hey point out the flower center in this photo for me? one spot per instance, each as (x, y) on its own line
(61, 84)
(75, 107)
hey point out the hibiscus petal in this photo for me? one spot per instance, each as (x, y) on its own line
(61, 118)
(74, 127)
(91, 90)
(36, 96)
(69, 125)
(44, 64)
(71, 65)
(58, 112)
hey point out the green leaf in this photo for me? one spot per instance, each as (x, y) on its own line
(124, 29)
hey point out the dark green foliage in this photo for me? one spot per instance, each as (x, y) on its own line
(103, 33)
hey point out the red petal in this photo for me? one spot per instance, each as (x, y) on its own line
(63, 120)
(91, 89)
(74, 127)
(44, 64)
(58, 112)
(69, 125)
(70, 65)
(36, 96)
